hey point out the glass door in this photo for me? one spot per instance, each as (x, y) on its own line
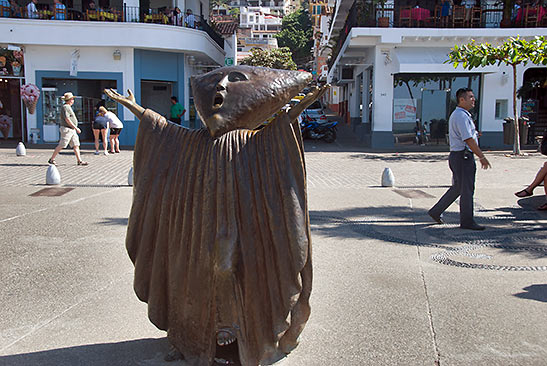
(433, 121)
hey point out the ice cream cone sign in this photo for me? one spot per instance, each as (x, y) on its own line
(30, 94)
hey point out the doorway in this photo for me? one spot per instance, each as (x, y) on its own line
(432, 126)
(12, 125)
(156, 95)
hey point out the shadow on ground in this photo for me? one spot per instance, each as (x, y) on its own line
(147, 351)
(111, 221)
(508, 230)
(534, 292)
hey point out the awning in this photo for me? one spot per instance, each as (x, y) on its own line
(431, 60)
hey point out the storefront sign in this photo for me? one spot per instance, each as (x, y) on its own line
(228, 61)
(404, 110)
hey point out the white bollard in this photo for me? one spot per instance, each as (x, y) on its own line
(20, 150)
(388, 180)
(52, 176)
(130, 177)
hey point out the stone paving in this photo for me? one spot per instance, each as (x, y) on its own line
(389, 286)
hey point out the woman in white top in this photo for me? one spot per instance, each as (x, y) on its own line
(116, 127)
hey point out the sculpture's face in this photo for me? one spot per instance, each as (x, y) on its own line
(235, 97)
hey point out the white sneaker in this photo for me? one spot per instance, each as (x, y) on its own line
(106, 153)
(97, 153)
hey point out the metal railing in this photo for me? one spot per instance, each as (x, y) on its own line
(363, 14)
(125, 14)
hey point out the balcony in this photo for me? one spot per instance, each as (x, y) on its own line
(125, 14)
(362, 14)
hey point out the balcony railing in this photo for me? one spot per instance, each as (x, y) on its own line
(362, 14)
(125, 14)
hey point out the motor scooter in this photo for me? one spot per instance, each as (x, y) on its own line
(314, 130)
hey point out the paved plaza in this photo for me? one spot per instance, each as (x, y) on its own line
(390, 288)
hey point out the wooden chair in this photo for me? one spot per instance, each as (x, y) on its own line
(434, 19)
(475, 19)
(531, 16)
(458, 16)
(5, 11)
(405, 16)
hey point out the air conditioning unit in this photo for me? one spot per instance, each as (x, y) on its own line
(346, 74)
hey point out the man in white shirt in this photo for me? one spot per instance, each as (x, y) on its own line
(32, 11)
(463, 143)
(189, 19)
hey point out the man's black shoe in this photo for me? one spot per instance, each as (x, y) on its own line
(436, 218)
(472, 227)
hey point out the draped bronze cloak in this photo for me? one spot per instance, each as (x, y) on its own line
(221, 216)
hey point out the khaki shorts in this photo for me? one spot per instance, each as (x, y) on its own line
(68, 136)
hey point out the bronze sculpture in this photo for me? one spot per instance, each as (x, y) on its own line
(219, 228)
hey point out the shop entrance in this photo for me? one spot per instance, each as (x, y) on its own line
(12, 124)
(432, 126)
(156, 95)
(422, 104)
(88, 95)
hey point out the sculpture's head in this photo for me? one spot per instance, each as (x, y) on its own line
(235, 97)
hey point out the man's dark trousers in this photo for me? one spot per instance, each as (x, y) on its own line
(463, 186)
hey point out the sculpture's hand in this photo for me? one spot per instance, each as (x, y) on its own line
(311, 97)
(128, 101)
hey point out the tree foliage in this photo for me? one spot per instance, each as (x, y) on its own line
(297, 34)
(513, 52)
(278, 58)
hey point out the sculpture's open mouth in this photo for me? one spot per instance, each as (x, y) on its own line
(219, 99)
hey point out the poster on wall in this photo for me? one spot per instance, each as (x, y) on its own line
(404, 110)
(11, 62)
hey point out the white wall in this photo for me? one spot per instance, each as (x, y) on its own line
(92, 59)
(382, 93)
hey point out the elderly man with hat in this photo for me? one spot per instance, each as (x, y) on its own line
(69, 130)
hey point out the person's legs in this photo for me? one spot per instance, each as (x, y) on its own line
(469, 170)
(117, 143)
(96, 135)
(56, 151)
(112, 142)
(64, 140)
(455, 164)
(540, 177)
(77, 153)
(105, 141)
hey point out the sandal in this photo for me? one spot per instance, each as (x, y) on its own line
(523, 193)
(52, 162)
(83, 163)
(543, 207)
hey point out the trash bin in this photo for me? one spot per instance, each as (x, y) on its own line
(509, 128)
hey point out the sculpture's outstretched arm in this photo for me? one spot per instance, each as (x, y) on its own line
(128, 101)
(311, 97)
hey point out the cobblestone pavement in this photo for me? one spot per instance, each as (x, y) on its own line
(324, 169)
(31, 169)
(390, 288)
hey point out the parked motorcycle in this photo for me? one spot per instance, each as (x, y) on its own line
(314, 130)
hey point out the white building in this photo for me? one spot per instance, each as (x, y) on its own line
(155, 61)
(388, 78)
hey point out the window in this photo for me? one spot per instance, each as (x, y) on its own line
(501, 108)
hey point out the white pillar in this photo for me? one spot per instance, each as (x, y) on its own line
(365, 96)
(354, 102)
